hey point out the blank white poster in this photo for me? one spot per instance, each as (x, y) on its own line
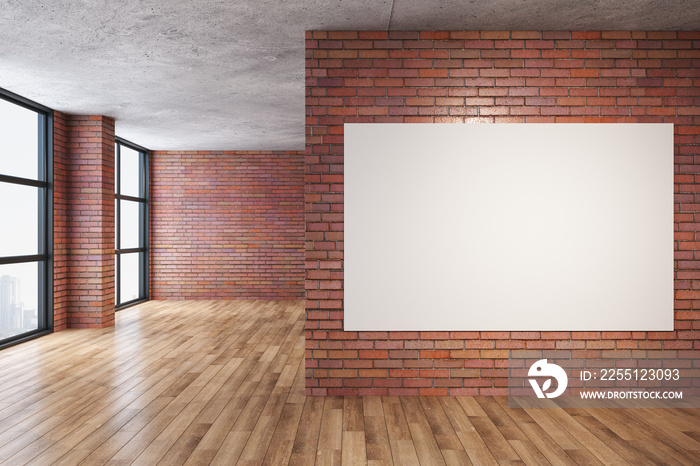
(520, 227)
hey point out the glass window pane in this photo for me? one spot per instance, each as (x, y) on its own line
(116, 276)
(129, 276)
(129, 216)
(130, 173)
(19, 300)
(19, 141)
(19, 224)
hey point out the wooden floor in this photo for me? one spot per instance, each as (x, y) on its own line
(222, 383)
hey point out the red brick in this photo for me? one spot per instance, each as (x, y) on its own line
(435, 35)
(441, 354)
(366, 354)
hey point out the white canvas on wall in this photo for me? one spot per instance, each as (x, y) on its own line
(514, 227)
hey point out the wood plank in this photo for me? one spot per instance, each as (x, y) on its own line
(403, 450)
(539, 438)
(659, 448)
(589, 441)
(445, 436)
(331, 435)
(377, 443)
(282, 442)
(423, 438)
(353, 449)
(620, 446)
(306, 440)
(518, 440)
(472, 442)
(491, 435)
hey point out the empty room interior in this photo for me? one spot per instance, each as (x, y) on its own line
(389, 232)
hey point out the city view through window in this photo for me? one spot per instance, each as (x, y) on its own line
(22, 207)
(18, 303)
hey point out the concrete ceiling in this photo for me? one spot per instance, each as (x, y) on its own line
(223, 74)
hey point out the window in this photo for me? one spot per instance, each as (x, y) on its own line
(131, 208)
(25, 219)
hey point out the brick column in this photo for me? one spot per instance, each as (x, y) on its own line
(83, 221)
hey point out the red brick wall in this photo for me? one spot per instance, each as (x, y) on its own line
(83, 221)
(227, 225)
(494, 76)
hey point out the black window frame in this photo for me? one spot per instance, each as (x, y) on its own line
(143, 227)
(44, 258)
